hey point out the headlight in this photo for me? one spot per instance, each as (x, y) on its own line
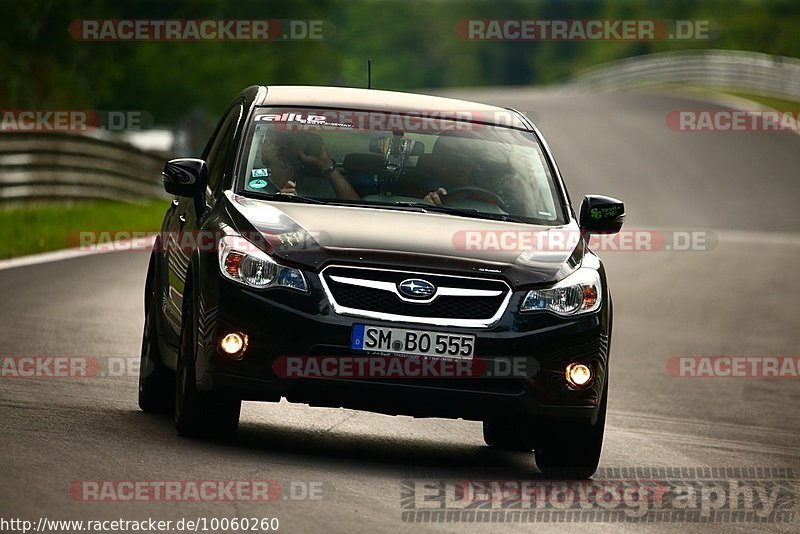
(243, 262)
(578, 293)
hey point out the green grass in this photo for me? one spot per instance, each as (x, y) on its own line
(768, 101)
(774, 103)
(40, 228)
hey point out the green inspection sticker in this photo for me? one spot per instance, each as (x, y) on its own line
(258, 184)
(604, 212)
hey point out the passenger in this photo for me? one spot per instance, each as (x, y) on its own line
(286, 154)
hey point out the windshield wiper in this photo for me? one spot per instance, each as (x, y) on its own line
(505, 217)
(424, 206)
(286, 198)
(473, 213)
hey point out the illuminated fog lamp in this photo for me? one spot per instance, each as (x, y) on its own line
(233, 344)
(579, 375)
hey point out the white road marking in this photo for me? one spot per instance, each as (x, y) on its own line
(66, 254)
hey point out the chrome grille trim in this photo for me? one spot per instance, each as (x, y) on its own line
(392, 288)
(441, 291)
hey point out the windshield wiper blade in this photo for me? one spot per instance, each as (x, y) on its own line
(287, 198)
(424, 206)
(504, 217)
(476, 214)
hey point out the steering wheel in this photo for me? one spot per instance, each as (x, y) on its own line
(460, 193)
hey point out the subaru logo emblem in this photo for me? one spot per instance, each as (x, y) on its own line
(416, 288)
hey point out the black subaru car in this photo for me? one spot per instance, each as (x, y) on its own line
(381, 251)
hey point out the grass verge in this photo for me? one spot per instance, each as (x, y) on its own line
(41, 228)
(774, 103)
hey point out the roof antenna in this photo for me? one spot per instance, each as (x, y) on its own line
(369, 74)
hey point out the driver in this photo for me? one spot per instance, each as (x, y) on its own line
(459, 171)
(454, 164)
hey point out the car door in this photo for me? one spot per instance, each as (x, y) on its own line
(186, 217)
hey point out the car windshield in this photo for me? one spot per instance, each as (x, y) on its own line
(411, 161)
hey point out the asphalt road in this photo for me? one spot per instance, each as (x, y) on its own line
(740, 298)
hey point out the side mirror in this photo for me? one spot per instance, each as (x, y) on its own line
(601, 215)
(185, 177)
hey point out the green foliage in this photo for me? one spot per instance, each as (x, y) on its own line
(412, 42)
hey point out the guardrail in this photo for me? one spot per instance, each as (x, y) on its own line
(60, 165)
(749, 72)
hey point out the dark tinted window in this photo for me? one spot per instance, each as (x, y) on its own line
(220, 150)
(392, 158)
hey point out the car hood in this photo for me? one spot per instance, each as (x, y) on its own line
(315, 235)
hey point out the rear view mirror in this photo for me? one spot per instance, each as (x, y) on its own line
(379, 145)
(601, 215)
(185, 177)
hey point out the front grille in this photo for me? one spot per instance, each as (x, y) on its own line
(381, 301)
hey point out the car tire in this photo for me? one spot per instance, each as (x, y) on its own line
(573, 453)
(508, 435)
(199, 414)
(156, 380)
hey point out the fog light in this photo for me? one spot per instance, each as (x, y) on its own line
(578, 375)
(233, 344)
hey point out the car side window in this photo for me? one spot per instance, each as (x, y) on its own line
(221, 147)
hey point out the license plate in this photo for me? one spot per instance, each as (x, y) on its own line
(412, 342)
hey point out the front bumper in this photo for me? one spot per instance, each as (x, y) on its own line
(283, 323)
